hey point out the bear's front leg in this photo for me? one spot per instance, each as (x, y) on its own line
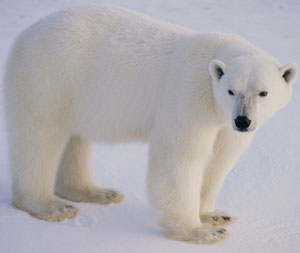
(174, 182)
(228, 147)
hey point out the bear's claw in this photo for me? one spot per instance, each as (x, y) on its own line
(217, 218)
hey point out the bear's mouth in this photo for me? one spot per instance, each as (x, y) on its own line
(247, 130)
(242, 130)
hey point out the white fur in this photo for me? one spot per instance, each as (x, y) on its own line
(108, 75)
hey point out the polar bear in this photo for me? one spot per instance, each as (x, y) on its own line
(108, 75)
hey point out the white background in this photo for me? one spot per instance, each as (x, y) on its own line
(262, 190)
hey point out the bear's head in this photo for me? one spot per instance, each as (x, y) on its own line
(249, 89)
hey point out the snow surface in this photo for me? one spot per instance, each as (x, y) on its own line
(262, 190)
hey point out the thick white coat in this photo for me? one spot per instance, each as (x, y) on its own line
(109, 75)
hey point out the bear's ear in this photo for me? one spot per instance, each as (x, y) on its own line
(289, 72)
(216, 69)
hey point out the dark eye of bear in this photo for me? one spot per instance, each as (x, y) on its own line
(230, 92)
(263, 93)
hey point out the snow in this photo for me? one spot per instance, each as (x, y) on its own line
(262, 190)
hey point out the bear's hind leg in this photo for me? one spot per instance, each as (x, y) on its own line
(34, 159)
(75, 180)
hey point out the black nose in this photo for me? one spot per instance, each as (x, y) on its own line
(242, 122)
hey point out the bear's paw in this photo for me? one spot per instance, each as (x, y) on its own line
(205, 234)
(217, 218)
(53, 210)
(94, 194)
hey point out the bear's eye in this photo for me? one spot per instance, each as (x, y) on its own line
(230, 92)
(263, 93)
